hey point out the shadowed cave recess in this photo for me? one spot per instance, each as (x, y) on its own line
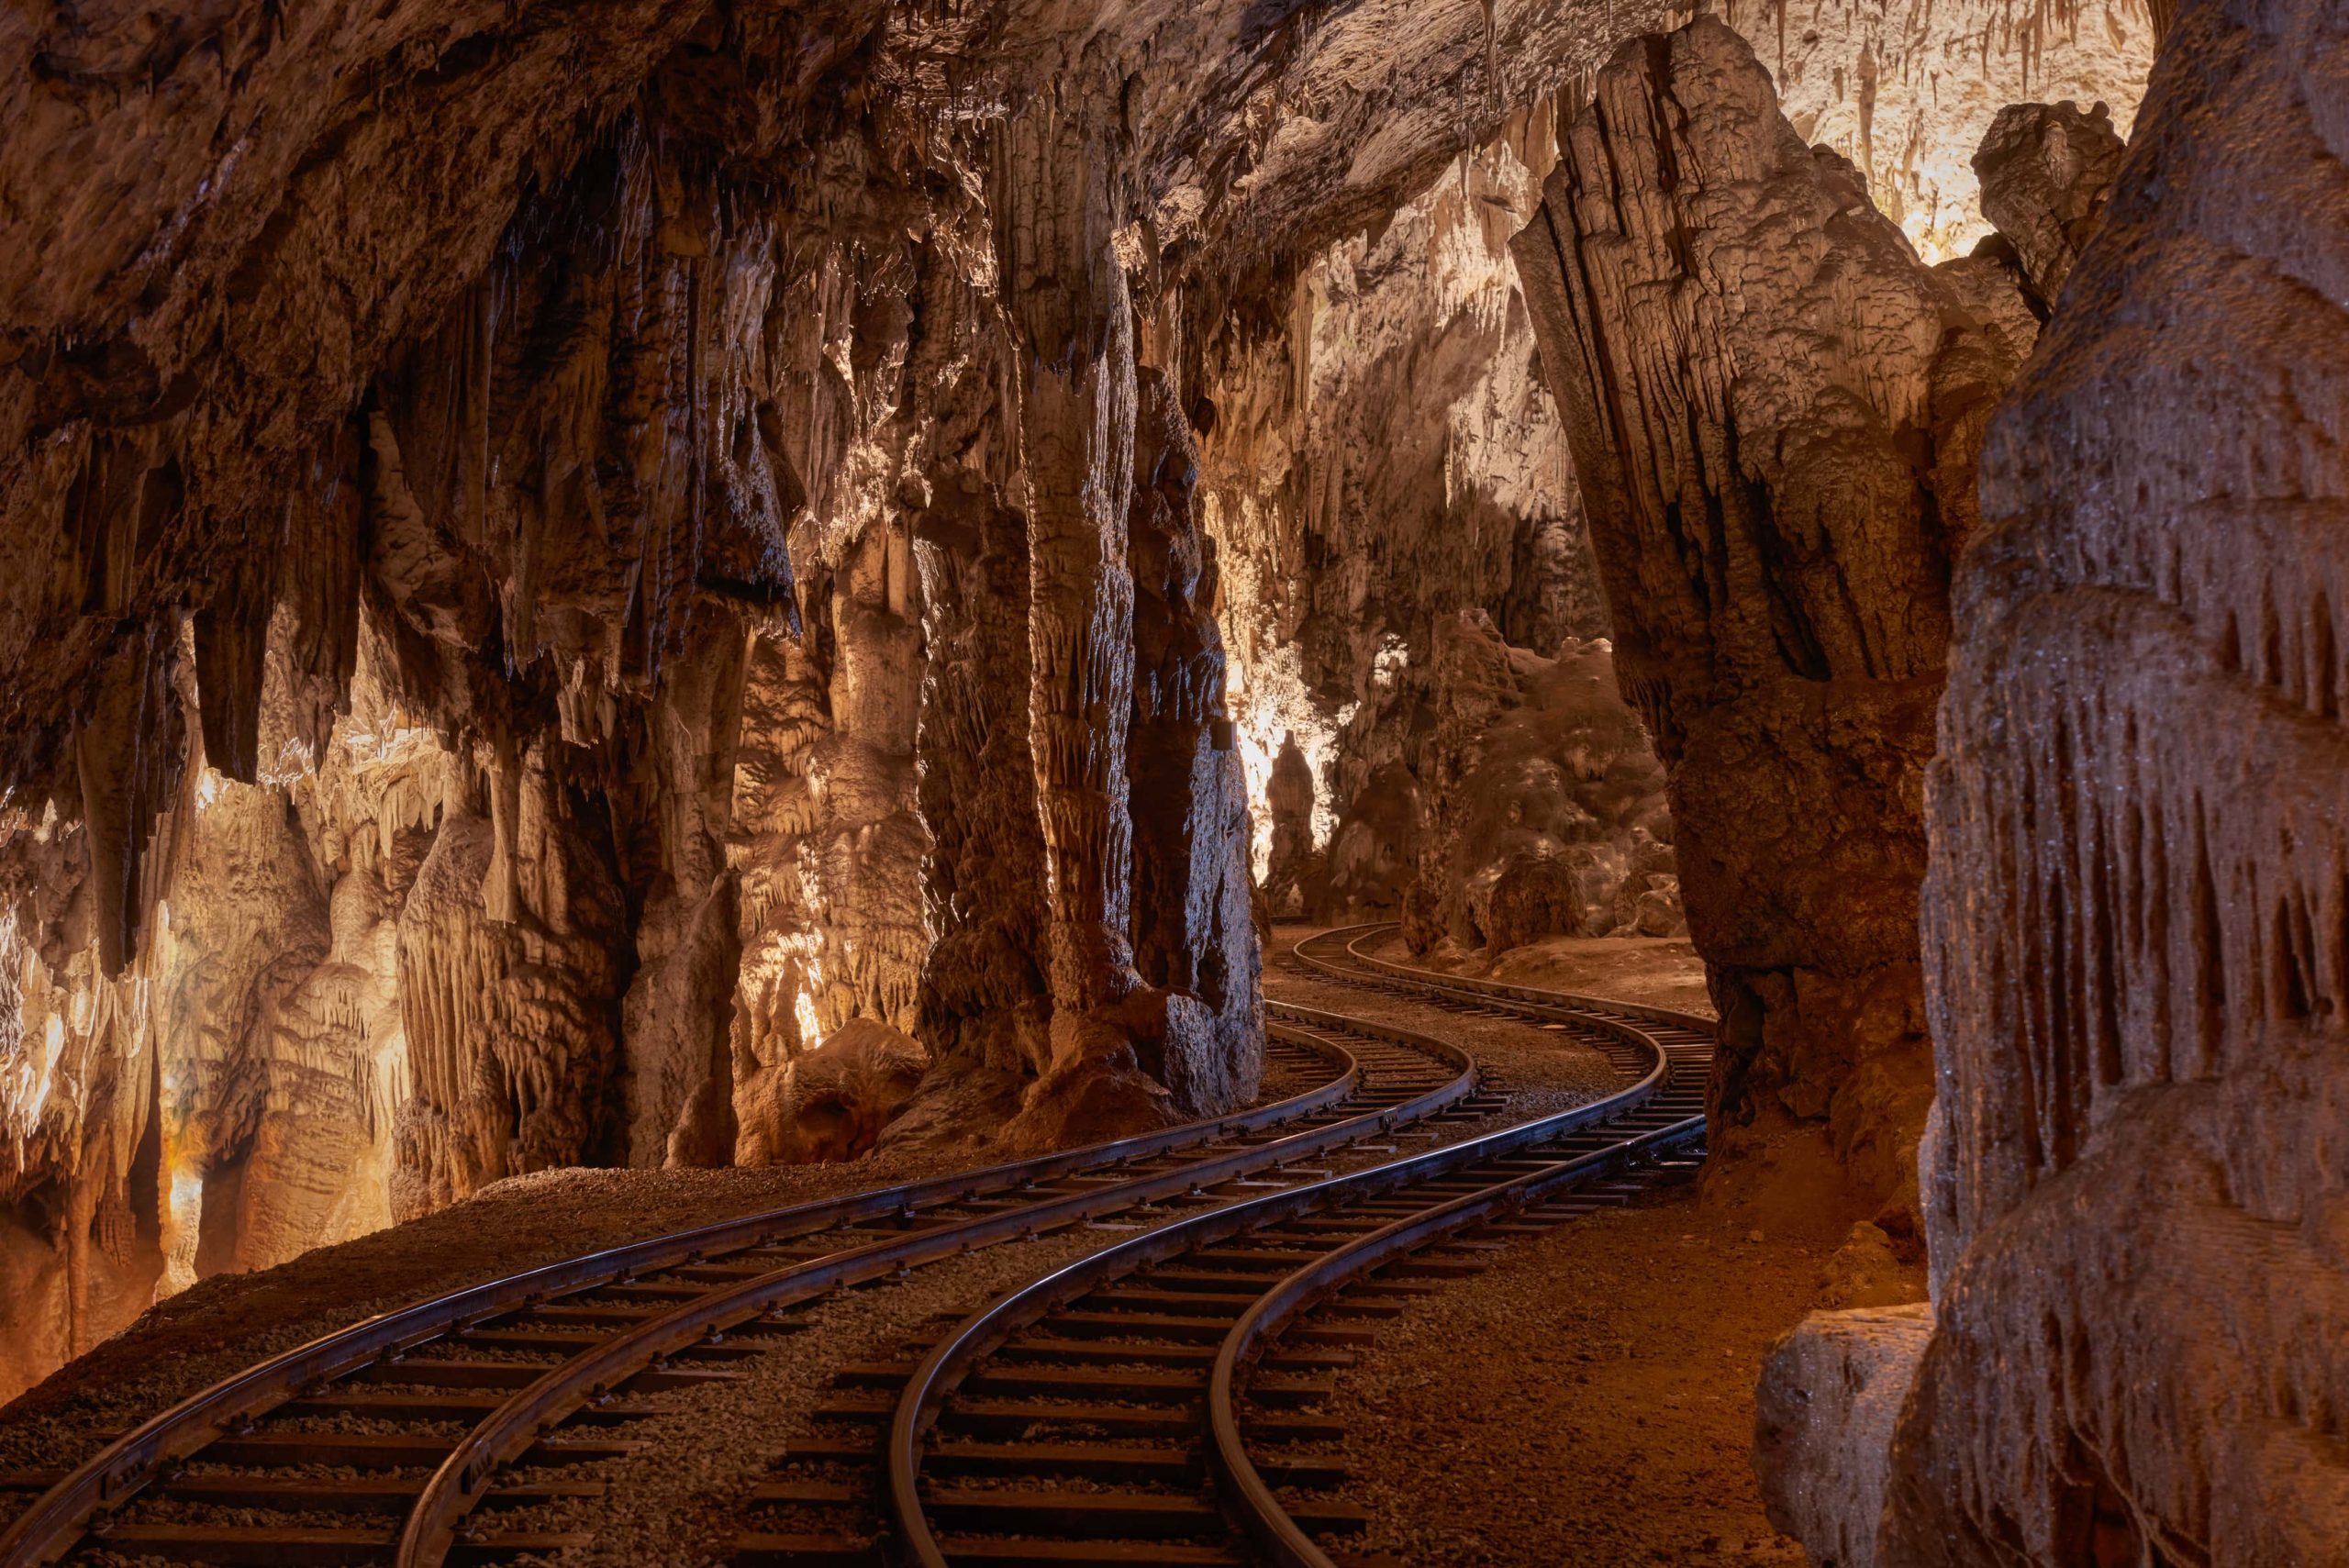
(689, 584)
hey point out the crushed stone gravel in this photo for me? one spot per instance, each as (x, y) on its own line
(683, 1498)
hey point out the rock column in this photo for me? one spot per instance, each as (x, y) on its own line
(1773, 408)
(2137, 917)
(1056, 213)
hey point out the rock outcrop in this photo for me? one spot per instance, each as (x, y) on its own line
(1380, 457)
(1905, 90)
(2046, 171)
(1548, 815)
(2134, 912)
(1774, 408)
(1829, 1397)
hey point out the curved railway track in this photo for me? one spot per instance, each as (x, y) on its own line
(1149, 1405)
(381, 1442)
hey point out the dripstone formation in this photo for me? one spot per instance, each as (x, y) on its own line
(1774, 408)
(677, 582)
(2136, 910)
(622, 582)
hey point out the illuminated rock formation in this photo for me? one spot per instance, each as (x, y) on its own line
(1547, 798)
(2135, 906)
(1907, 89)
(659, 538)
(1777, 474)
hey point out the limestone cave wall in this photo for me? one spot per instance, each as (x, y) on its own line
(2134, 915)
(588, 581)
(1774, 406)
(592, 580)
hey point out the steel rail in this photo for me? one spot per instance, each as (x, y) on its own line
(462, 1478)
(1242, 1492)
(58, 1521)
(1463, 987)
(980, 1333)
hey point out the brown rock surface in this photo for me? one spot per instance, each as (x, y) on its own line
(2135, 909)
(2046, 172)
(1774, 408)
(1825, 1406)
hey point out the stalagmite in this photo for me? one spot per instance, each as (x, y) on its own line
(1057, 217)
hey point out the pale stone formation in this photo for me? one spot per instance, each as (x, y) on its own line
(1378, 456)
(1547, 814)
(1906, 89)
(2135, 908)
(1831, 1393)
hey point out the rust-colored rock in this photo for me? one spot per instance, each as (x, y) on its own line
(1773, 407)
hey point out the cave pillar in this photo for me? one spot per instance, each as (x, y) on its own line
(1199, 1022)
(1056, 222)
(2137, 913)
(1773, 407)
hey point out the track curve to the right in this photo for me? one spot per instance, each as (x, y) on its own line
(1173, 1463)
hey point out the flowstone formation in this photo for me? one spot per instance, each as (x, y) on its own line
(2136, 902)
(605, 583)
(1774, 408)
(1547, 815)
(598, 585)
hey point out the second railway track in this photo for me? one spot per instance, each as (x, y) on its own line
(399, 1439)
(1151, 1405)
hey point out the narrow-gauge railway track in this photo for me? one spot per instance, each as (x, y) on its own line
(1149, 1405)
(482, 1398)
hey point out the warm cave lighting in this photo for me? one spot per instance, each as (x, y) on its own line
(1517, 782)
(183, 1222)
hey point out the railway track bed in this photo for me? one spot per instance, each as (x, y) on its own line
(591, 1411)
(1159, 1404)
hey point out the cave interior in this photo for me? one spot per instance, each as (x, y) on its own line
(621, 612)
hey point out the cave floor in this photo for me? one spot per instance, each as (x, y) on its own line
(1621, 1429)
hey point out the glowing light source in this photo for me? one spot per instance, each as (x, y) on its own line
(811, 1030)
(183, 1221)
(1268, 701)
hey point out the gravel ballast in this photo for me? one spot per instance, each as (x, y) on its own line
(683, 1498)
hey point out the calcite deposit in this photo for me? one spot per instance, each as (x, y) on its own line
(677, 582)
(2135, 911)
(1905, 89)
(562, 562)
(1546, 813)
(1774, 407)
